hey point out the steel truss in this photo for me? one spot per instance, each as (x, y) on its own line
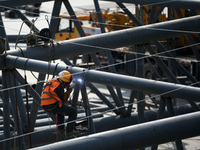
(25, 112)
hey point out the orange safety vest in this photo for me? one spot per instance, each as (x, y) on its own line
(48, 95)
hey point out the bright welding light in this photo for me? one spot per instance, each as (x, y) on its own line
(80, 80)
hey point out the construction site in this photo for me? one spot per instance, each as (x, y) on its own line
(135, 67)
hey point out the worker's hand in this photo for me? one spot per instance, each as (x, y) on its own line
(66, 94)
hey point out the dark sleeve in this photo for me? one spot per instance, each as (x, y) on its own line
(60, 91)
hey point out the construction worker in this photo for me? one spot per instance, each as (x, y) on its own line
(53, 99)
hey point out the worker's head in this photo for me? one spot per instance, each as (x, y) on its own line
(66, 77)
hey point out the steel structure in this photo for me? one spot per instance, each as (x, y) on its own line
(113, 122)
(21, 114)
(153, 133)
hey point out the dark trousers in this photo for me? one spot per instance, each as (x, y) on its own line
(65, 110)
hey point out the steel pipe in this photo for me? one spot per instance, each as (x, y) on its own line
(54, 20)
(101, 124)
(6, 113)
(25, 20)
(20, 103)
(162, 65)
(143, 135)
(103, 98)
(123, 81)
(34, 105)
(32, 92)
(14, 106)
(3, 34)
(127, 37)
(87, 109)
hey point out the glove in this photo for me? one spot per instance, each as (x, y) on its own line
(66, 94)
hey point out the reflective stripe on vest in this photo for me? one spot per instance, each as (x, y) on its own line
(48, 95)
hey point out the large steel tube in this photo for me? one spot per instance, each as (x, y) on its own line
(101, 124)
(6, 113)
(134, 83)
(35, 106)
(192, 4)
(145, 85)
(143, 135)
(54, 20)
(115, 39)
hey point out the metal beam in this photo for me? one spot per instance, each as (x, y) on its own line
(3, 33)
(6, 112)
(190, 38)
(20, 103)
(55, 17)
(75, 96)
(175, 62)
(103, 98)
(143, 135)
(170, 108)
(25, 19)
(108, 52)
(117, 101)
(140, 73)
(113, 122)
(32, 92)
(115, 39)
(74, 18)
(159, 61)
(134, 83)
(14, 104)
(171, 77)
(35, 106)
(86, 106)
(131, 102)
(79, 28)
